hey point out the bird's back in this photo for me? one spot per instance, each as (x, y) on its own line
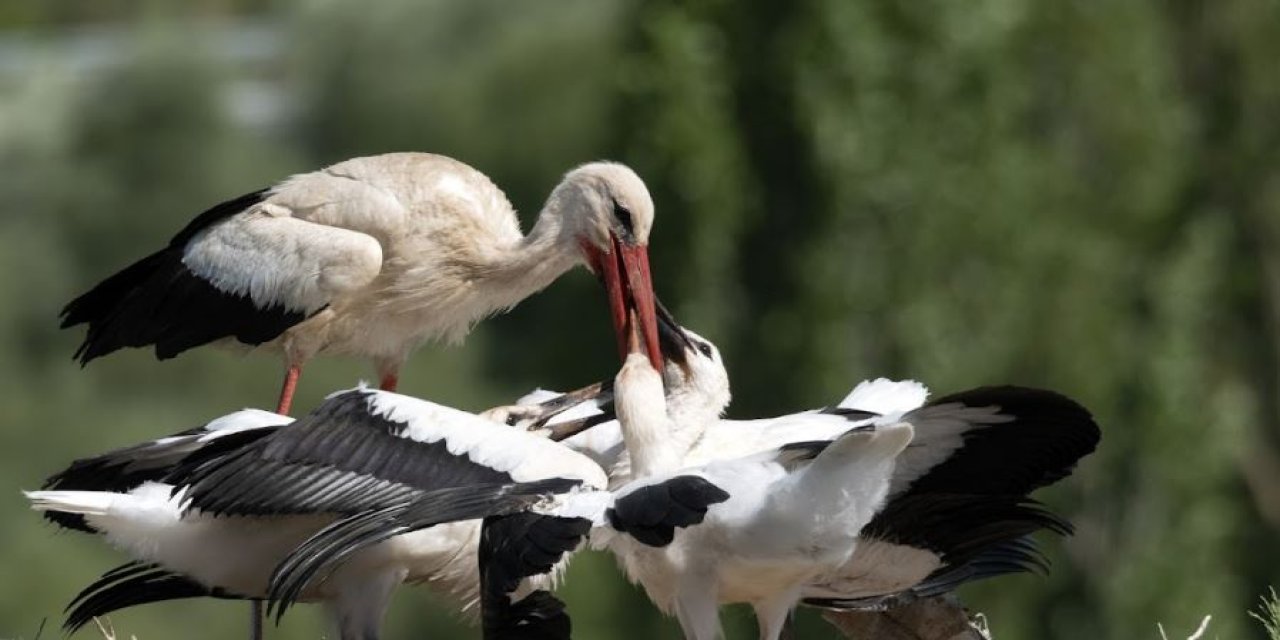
(346, 236)
(443, 229)
(401, 194)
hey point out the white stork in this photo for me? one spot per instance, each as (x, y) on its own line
(792, 513)
(958, 507)
(355, 450)
(371, 257)
(218, 521)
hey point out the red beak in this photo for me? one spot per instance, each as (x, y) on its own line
(629, 286)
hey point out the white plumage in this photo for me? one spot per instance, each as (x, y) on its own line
(371, 257)
(792, 513)
(522, 456)
(957, 505)
(224, 523)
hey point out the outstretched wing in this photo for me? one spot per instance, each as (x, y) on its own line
(125, 468)
(959, 506)
(529, 527)
(364, 449)
(333, 544)
(994, 440)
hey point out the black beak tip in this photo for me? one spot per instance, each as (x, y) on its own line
(672, 341)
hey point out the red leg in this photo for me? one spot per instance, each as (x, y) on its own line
(286, 391)
(389, 381)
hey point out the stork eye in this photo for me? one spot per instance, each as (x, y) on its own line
(703, 348)
(623, 214)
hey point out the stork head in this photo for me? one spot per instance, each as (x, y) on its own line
(606, 201)
(695, 377)
(606, 211)
(696, 383)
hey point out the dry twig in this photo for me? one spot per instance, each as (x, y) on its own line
(1198, 634)
(108, 630)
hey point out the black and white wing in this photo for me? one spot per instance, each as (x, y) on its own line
(245, 269)
(364, 449)
(317, 556)
(529, 528)
(124, 469)
(994, 440)
(133, 584)
(959, 506)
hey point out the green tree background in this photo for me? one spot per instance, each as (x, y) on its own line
(1084, 196)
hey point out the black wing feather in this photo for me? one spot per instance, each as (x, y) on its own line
(514, 547)
(134, 584)
(537, 616)
(341, 458)
(159, 301)
(960, 527)
(331, 545)
(125, 468)
(651, 514)
(973, 509)
(1050, 433)
(1012, 556)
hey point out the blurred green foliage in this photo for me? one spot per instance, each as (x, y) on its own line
(1072, 195)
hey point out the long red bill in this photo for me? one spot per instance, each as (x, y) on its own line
(635, 261)
(606, 267)
(628, 285)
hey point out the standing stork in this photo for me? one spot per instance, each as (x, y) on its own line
(371, 257)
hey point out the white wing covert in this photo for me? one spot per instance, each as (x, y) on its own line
(277, 260)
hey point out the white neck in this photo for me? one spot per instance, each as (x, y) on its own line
(537, 260)
(642, 416)
(696, 398)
